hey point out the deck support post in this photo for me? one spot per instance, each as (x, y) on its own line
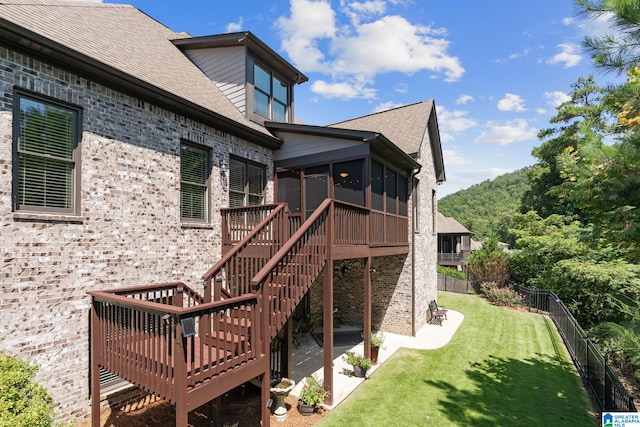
(95, 340)
(180, 379)
(327, 315)
(265, 391)
(367, 307)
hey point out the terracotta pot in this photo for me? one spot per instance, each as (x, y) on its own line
(304, 409)
(374, 354)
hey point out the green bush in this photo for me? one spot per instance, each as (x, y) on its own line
(504, 295)
(23, 403)
(451, 272)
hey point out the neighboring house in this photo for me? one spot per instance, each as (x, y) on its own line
(144, 233)
(454, 242)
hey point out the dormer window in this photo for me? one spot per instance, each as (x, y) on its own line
(271, 95)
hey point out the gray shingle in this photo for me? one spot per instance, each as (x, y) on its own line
(404, 126)
(126, 39)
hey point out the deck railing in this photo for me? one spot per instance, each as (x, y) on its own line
(389, 229)
(163, 339)
(351, 224)
(458, 258)
(231, 275)
(284, 280)
(239, 221)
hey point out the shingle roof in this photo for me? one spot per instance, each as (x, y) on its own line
(405, 126)
(448, 225)
(125, 39)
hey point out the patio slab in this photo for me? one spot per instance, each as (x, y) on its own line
(308, 358)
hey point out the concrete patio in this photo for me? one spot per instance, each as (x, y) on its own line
(308, 357)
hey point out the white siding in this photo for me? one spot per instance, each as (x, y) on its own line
(297, 145)
(226, 67)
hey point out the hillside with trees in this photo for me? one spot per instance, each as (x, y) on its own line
(487, 208)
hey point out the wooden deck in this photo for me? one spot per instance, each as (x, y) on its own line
(190, 348)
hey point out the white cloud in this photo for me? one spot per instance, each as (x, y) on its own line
(356, 11)
(413, 47)
(596, 27)
(309, 23)
(402, 88)
(506, 133)
(511, 102)
(464, 99)
(541, 111)
(358, 46)
(556, 98)
(454, 158)
(524, 52)
(343, 90)
(233, 27)
(387, 106)
(569, 55)
(455, 120)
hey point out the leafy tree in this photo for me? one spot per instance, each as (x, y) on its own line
(620, 50)
(541, 243)
(594, 290)
(585, 105)
(604, 182)
(489, 263)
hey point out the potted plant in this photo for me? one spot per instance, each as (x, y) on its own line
(311, 395)
(360, 363)
(375, 342)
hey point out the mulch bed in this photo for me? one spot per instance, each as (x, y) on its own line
(240, 408)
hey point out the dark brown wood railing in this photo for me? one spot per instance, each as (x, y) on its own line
(171, 341)
(239, 221)
(351, 224)
(287, 276)
(231, 275)
(163, 339)
(389, 229)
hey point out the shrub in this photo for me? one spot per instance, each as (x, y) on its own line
(23, 403)
(451, 272)
(489, 263)
(504, 295)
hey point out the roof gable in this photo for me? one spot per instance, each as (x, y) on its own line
(120, 40)
(449, 225)
(407, 127)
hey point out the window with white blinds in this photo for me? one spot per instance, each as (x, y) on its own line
(247, 182)
(194, 182)
(46, 155)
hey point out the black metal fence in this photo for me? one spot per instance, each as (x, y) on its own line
(608, 391)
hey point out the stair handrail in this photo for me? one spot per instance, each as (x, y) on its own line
(236, 249)
(286, 248)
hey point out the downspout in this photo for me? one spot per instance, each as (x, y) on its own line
(414, 200)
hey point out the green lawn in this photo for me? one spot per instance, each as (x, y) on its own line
(502, 368)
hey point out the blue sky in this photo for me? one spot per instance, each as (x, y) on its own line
(496, 69)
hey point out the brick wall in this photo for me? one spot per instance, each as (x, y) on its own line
(129, 230)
